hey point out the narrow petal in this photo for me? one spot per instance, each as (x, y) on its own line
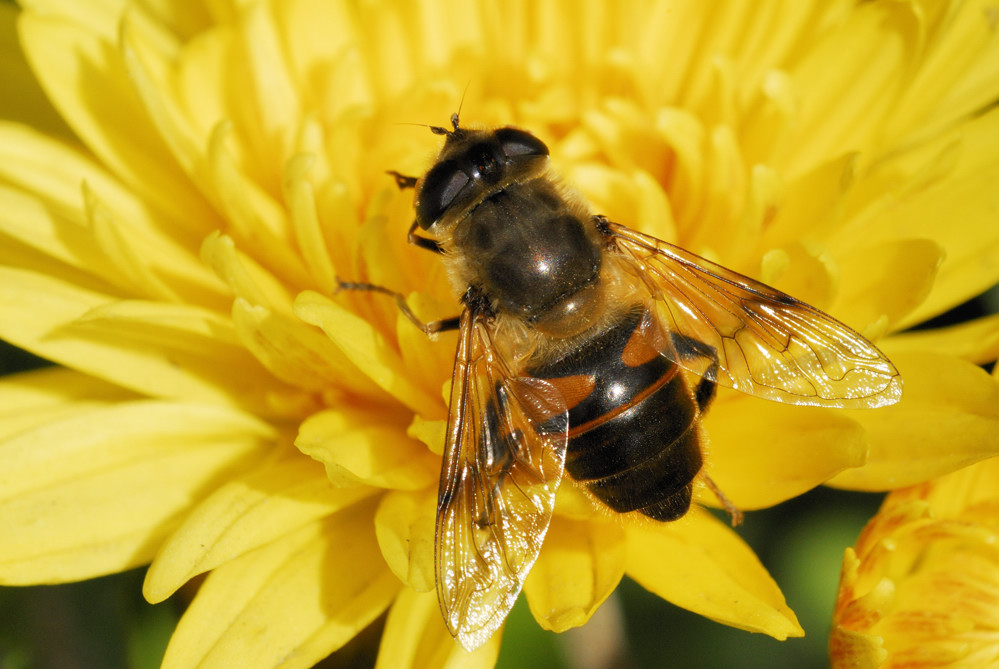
(870, 46)
(948, 197)
(40, 396)
(920, 588)
(247, 512)
(763, 453)
(109, 118)
(948, 418)
(78, 500)
(960, 74)
(890, 279)
(30, 105)
(257, 221)
(232, 621)
(976, 341)
(243, 274)
(580, 565)
(184, 20)
(300, 195)
(430, 359)
(367, 348)
(700, 565)
(101, 16)
(405, 525)
(853, 648)
(99, 227)
(298, 354)
(971, 493)
(167, 351)
(277, 103)
(812, 205)
(365, 447)
(430, 433)
(415, 638)
(802, 269)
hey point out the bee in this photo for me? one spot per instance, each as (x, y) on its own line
(572, 337)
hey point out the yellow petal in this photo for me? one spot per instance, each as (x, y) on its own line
(105, 230)
(44, 395)
(920, 588)
(189, 338)
(326, 580)
(428, 432)
(109, 118)
(256, 220)
(298, 354)
(302, 209)
(415, 636)
(580, 564)
(701, 565)
(243, 274)
(183, 19)
(888, 279)
(247, 512)
(277, 99)
(367, 349)
(976, 341)
(949, 199)
(30, 105)
(870, 46)
(429, 359)
(101, 17)
(405, 525)
(857, 650)
(804, 269)
(97, 492)
(359, 446)
(970, 494)
(948, 418)
(812, 207)
(162, 350)
(959, 74)
(762, 453)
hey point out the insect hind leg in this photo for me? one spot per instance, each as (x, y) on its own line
(702, 359)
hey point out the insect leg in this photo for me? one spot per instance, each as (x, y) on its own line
(402, 181)
(423, 242)
(689, 348)
(726, 503)
(704, 393)
(430, 328)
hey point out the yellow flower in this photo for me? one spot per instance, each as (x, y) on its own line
(181, 184)
(920, 589)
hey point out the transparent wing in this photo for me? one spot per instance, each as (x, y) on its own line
(748, 336)
(503, 461)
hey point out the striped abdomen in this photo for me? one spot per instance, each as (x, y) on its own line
(633, 438)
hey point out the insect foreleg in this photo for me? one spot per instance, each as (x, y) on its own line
(430, 328)
(403, 181)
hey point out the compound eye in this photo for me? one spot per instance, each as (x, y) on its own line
(440, 188)
(515, 143)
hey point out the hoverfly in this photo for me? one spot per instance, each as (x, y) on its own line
(572, 337)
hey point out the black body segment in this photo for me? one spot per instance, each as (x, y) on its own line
(633, 437)
(531, 253)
